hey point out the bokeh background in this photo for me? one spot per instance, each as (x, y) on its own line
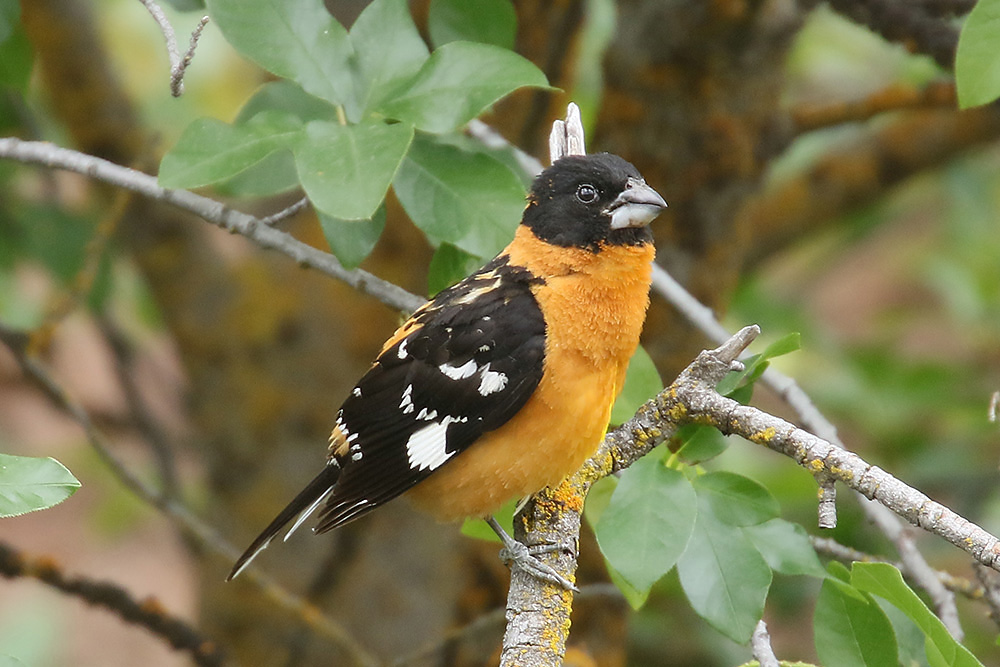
(820, 180)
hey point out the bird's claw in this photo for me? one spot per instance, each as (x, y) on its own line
(518, 555)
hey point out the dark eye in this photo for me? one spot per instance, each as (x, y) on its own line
(586, 193)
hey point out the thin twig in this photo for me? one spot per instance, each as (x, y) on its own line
(178, 63)
(35, 152)
(829, 547)
(760, 644)
(148, 613)
(145, 422)
(193, 527)
(285, 213)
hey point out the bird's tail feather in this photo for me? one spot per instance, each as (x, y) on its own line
(299, 509)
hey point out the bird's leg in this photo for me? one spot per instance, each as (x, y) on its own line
(524, 557)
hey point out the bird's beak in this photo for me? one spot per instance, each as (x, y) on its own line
(636, 206)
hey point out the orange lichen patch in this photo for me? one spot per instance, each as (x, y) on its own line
(152, 605)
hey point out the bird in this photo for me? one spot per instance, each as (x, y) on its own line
(502, 384)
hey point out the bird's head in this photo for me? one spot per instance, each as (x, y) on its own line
(588, 201)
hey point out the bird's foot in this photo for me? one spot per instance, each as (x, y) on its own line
(518, 555)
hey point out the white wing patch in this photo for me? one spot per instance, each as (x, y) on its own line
(406, 404)
(459, 372)
(426, 448)
(492, 381)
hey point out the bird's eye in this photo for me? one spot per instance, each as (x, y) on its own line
(586, 193)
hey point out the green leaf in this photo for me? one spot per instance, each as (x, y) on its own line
(977, 67)
(210, 150)
(701, 443)
(352, 240)
(468, 199)
(486, 21)
(458, 82)
(389, 51)
(29, 484)
(724, 576)
(787, 344)
(16, 55)
(10, 661)
(481, 530)
(295, 39)
(346, 169)
(288, 98)
(271, 176)
(754, 366)
(642, 382)
(885, 581)
(736, 500)
(850, 630)
(648, 521)
(786, 547)
(449, 265)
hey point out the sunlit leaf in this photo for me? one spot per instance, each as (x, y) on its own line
(29, 484)
(977, 68)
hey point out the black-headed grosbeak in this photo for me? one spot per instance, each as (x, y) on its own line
(503, 383)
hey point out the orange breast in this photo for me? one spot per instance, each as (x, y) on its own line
(594, 306)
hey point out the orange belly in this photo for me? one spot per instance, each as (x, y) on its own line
(594, 306)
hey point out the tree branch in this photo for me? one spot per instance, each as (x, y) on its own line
(48, 155)
(148, 613)
(193, 527)
(178, 63)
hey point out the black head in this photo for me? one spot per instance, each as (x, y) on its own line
(587, 201)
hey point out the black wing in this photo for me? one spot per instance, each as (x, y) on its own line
(472, 358)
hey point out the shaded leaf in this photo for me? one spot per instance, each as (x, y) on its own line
(885, 581)
(468, 199)
(389, 51)
(458, 82)
(724, 576)
(352, 240)
(736, 500)
(786, 547)
(346, 169)
(449, 265)
(701, 443)
(642, 382)
(486, 21)
(850, 630)
(210, 151)
(29, 484)
(648, 521)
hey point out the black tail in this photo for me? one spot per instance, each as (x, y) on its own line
(302, 506)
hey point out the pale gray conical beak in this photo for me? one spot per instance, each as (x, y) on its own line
(636, 206)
